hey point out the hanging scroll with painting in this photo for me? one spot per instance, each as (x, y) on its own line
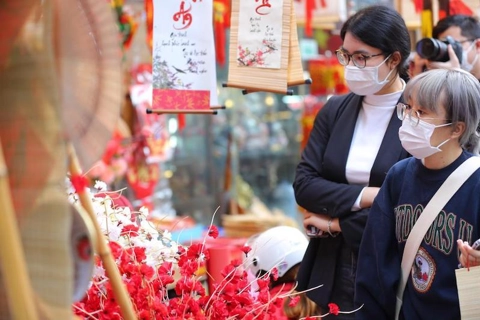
(263, 43)
(183, 67)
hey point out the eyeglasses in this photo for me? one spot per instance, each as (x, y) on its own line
(405, 110)
(463, 41)
(358, 59)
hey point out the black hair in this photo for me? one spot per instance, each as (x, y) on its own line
(381, 27)
(468, 24)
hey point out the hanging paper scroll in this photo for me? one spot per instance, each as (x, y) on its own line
(264, 51)
(184, 73)
(264, 59)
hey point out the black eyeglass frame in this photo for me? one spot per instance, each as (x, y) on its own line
(340, 53)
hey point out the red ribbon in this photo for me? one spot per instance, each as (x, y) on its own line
(79, 183)
(309, 8)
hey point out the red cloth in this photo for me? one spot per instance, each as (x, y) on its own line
(459, 7)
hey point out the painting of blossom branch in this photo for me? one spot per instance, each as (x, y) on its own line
(260, 36)
(166, 76)
(249, 58)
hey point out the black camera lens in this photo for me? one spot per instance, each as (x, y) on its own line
(432, 49)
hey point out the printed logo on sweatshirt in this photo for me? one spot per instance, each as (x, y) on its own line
(423, 271)
(441, 235)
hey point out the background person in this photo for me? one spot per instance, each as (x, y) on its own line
(439, 130)
(282, 248)
(353, 143)
(466, 31)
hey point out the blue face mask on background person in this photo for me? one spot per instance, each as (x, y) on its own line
(416, 139)
(465, 65)
(364, 81)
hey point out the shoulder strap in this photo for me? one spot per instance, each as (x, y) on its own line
(434, 206)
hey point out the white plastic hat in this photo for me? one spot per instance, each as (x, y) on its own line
(279, 247)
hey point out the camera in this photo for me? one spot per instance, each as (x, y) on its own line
(436, 50)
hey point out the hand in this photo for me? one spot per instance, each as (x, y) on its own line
(320, 221)
(450, 64)
(417, 65)
(468, 255)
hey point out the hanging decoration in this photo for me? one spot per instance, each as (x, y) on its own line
(221, 22)
(126, 22)
(427, 18)
(459, 7)
(264, 47)
(149, 22)
(310, 7)
(184, 73)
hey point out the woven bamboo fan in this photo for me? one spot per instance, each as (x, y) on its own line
(253, 78)
(90, 56)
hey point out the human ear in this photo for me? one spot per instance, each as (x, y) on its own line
(395, 59)
(458, 129)
(477, 45)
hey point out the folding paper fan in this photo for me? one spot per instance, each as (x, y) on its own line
(89, 51)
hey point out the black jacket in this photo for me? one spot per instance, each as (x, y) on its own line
(321, 187)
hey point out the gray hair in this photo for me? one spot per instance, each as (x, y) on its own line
(458, 92)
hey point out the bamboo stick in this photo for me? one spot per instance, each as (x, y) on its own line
(102, 248)
(12, 257)
(168, 111)
(255, 89)
(289, 92)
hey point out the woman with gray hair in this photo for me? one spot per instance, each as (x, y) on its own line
(439, 129)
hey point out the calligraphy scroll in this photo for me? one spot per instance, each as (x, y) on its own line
(264, 49)
(184, 73)
(266, 69)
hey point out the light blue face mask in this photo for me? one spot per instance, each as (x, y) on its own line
(365, 81)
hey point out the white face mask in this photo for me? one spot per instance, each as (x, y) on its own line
(365, 81)
(416, 140)
(465, 65)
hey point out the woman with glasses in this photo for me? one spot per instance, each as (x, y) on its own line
(439, 128)
(354, 142)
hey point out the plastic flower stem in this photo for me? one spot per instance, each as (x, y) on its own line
(12, 257)
(299, 292)
(102, 248)
(326, 314)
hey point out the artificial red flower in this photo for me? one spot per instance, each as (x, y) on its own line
(294, 301)
(333, 309)
(130, 230)
(246, 250)
(213, 231)
(274, 274)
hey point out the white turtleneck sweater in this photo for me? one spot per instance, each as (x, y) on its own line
(372, 123)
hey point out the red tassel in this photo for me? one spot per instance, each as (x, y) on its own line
(181, 121)
(309, 8)
(220, 39)
(221, 18)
